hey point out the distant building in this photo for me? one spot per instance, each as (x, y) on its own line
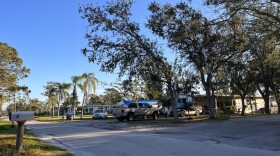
(89, 109)
(253, 104)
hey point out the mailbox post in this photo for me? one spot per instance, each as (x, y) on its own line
(21, 117)
(20, 133)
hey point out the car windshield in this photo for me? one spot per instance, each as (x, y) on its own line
(99, 111)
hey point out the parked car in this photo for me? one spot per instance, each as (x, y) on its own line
(69, 115)
(100, 114)
(133, 110)
(189, 110)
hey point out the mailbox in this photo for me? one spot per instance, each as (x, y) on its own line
(22, 116)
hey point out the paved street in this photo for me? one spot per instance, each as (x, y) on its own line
(254, 136)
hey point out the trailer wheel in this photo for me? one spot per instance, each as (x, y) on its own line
(130, 117)
(120, 118)
(197, 113)
(183, 113)
(155, 115)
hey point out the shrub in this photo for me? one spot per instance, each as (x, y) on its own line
(261, 110)
(230, 109)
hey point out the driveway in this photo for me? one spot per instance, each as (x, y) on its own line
(256, 136)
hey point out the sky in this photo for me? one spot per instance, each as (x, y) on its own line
(49, 36)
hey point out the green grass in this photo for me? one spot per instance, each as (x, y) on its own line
(31, 144)
(48, 119)
(77, 118)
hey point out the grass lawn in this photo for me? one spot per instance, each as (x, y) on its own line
(31, 144)
(77, 118)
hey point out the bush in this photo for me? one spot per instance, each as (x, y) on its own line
(221, 114)
(230, 109)
(41, 114)
(261, 110)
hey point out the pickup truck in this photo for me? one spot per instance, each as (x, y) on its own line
(133, 110)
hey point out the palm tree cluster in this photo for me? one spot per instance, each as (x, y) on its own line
(58, 93)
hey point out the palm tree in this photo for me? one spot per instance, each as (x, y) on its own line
(88, 87)
(52, 100)
(50, 92)
(61, 94)
(75, 80)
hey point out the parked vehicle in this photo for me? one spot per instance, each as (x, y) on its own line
(192, 110)
(133, 110)
(187, 110)
(101, 113)
(69, 115)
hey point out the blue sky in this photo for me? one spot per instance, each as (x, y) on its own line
(49, 35)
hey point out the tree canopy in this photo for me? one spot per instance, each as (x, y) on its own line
(208, 47)
(11, 69)
(116, 42)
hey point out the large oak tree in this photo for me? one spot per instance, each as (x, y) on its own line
(208, 47)
(116, 42)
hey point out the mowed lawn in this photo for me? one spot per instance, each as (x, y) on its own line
(31, 144)
(77, 118)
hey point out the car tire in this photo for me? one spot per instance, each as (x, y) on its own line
(120, 118)
(130, 117)
(197, 113)
(183, 114)
(155, 115)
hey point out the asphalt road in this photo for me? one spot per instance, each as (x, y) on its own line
(254, 136)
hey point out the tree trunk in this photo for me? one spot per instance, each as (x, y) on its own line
(173, 102)
(278, 104)
(82, 113)
(1, 108)
(74, 100)
(73, 108)
(243, 105)
(265, 95)
(52, 110)
(212, 113)
(210, 95)
(266, 104)
(58, 110)
(15, 102)
(211, 102)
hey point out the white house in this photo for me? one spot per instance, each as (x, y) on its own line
(253, 104)
(89, 109)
